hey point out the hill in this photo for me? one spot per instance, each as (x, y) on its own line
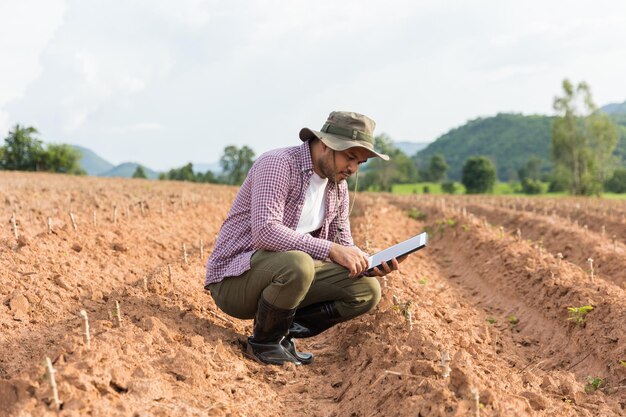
(91, 162)
(214, 167)
(614, 108)
(509, 140)
(410, 148)
(127, 169)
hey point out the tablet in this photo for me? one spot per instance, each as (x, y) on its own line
(403, 248)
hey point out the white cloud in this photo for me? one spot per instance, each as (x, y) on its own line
(23, 36)
(4, 124)
(171, 81)
(136, 128)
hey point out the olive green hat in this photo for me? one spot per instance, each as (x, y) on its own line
(345, 130)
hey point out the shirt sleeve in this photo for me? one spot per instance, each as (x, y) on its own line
(341, 222)
(270, 188)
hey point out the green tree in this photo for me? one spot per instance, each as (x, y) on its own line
(206, 177)
(381, 175)
(437, 168)
(22, 151)
(60, 158)
(235, 163)
(139, 172)
(531, 170)
(449, 187)
(184, 173)
(478, 175)
(617, 182)
(583, 140)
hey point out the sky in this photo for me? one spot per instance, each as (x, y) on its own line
(164, 83)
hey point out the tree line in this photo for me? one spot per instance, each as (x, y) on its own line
(22, 151)
(583, 144)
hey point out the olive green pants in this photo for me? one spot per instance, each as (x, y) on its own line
(293, 279)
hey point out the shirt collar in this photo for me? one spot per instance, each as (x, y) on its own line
(305, 157)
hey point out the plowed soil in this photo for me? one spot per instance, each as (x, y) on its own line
(475, 324)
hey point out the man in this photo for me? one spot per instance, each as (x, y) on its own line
(285, 255)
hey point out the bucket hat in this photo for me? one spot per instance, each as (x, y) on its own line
(345, 130)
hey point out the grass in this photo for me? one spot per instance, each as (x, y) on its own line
(500, 188)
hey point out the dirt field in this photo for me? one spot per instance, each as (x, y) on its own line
(491, 299)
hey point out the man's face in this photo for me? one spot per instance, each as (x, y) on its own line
(345, 164)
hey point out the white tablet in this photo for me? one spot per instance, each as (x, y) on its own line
(398, 250)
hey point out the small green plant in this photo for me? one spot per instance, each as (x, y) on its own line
(593, 384)
(623, 363)
(422, 281)
(512, 319)
(491, 320)
(577, 314)
(416, 214)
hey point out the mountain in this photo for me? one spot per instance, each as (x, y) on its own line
(91, 162)
(214, 167)
(127, 169)
(509, 140)
(410, 148)
(614, 108)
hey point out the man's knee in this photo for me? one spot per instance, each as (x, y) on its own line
(365, 295)
(372, 294)
(298, 269)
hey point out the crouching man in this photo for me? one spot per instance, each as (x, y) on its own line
(285, 255)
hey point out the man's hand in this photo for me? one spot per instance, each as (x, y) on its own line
(385, 268)
(350, 257)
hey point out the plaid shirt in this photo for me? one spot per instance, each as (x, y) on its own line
(266, 212)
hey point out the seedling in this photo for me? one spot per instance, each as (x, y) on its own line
(491, 320)
(593, 384)
(577, 314)
(513, 320)
(518, 234)
(559, 258)
(118, 314)
(590, 262)
(405, 309)
(83, 314)
(422, 281)
(444, 365)
(14, 224)
(501, 232)
(623, 363)
(416, 214)
(73, 218)
(476, 397)
(55, 390)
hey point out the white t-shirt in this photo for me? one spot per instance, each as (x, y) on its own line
(314, 205)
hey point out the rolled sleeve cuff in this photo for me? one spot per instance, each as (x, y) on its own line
(320, 249)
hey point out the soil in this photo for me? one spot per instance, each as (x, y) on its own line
(475, 324)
